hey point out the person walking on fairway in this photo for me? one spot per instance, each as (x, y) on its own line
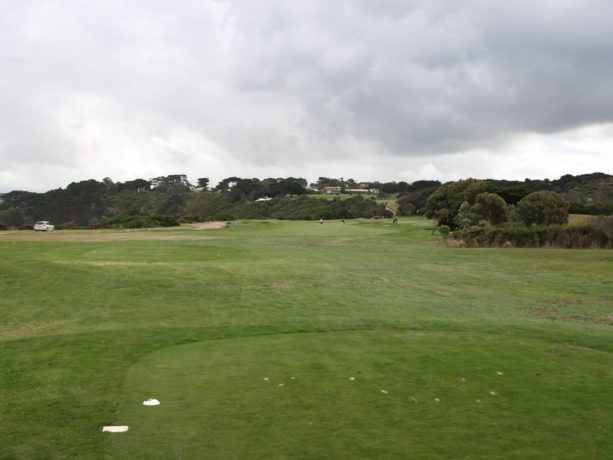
(321, 220)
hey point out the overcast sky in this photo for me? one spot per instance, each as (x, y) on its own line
(368, 89)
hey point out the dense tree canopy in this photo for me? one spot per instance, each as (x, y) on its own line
(413, 199)
(491, 208)
(450, 196)
(543, 208)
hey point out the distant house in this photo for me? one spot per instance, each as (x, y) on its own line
(264, 198)
(331, 190)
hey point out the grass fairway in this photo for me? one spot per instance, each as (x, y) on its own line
(301, 340)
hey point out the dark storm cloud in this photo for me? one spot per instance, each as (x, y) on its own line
(425, 77)
(271, 82)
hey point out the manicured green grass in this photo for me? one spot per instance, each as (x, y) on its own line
(95, 323)
(367, 394)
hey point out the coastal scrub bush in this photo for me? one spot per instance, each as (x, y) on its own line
(558, 236)
(140, 220)
(543, 208)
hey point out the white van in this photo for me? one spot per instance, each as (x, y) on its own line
(44, 226)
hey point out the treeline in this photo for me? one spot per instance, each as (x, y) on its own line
(590, 194)
(172, 199)
(217, 207)
(136, 202)
(586, 193)
(470, 214)
(468, 202)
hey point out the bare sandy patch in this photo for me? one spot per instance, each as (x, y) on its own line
(210, 225)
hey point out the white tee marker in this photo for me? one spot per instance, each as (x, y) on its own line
(115, 429)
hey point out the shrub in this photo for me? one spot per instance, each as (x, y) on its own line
(465, 216)
(140, 220)
(596, 208)
(405, 208)
(559, 236)
(604, 224)
(449, 197)
(543, 208)
(491, 208)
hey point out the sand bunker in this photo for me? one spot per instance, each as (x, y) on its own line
(210, 225)
(204, 225)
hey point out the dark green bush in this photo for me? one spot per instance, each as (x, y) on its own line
(604, 224)
(444, 230)
(543, 208)
(558, 236)
(140, 220)
(594, 209)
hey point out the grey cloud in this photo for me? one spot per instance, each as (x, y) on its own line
(278, 82)
(438, 79)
